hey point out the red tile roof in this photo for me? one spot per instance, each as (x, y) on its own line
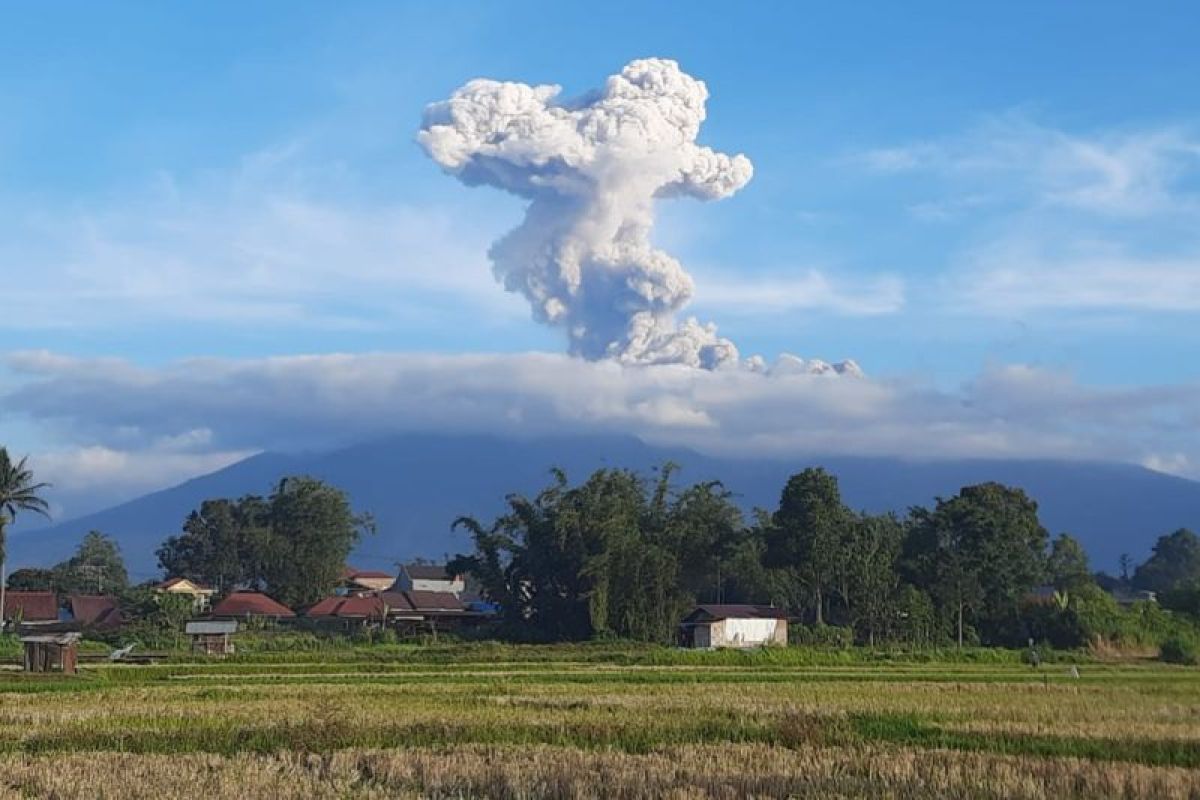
(397, 601)
(95, 610)
(360, 607)
(434, 601)
(250, 604)
(368, 606)
(325, 608)
(31, 606)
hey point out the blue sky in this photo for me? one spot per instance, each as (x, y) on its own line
(943, 192)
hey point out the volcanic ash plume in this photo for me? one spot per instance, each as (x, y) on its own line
(592, 170)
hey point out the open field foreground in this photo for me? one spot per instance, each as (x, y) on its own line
(729, 726)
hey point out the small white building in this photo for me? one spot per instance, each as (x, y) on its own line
(428, 578)
(712, 626)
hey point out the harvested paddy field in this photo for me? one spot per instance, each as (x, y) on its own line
(531, 723)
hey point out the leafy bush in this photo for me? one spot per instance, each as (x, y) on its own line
(10, 647)
(821, 635)
(1180, 650)
(1184, 598)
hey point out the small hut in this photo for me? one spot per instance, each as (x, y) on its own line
(742, 626)
(212, 637)
(51, 652)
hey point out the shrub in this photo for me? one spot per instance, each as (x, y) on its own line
(1180, 650)
(10, 647)
(821, 635)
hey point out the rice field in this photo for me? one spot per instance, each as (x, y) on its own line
(570, 722)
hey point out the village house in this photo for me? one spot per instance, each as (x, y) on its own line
(408, 612)
(201, 595)
(429, 578)
(354, 581)
(712, 626)
(251, 605)
(31, 608)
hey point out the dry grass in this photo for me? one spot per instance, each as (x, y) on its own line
(579, 730)
(728, 771)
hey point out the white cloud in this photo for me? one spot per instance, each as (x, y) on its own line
(281, 242)
(313, 401)
(1018, 276)
(1170, 463)
(1119, 173)
(128, 472)
(271, 242)
(810, 290)
(1093, 222)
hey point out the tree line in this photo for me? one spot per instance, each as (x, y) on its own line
(291, 544)
(624, 555)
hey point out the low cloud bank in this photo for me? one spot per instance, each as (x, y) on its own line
(206, 409)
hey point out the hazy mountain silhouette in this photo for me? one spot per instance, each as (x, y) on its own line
(416, 485)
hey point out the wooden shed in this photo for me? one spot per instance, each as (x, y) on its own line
(212, 637)
(51, 652)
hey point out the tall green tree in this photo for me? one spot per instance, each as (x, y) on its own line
(19, 492)
(871, 578)
(615, 555)
(1174, 562)
(96, 568)
(562, 564)
(704, 528)
(292, 544)
(31, 579)
(1067, 567)
(944, 563)
(312, 529)
(810, 533)
(980, 553)
(221, 543)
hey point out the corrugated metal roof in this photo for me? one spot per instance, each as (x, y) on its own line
(53, 638)
(215, 626)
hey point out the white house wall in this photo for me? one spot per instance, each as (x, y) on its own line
(746, 632)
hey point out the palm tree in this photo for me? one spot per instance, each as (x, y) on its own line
(18, 492)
